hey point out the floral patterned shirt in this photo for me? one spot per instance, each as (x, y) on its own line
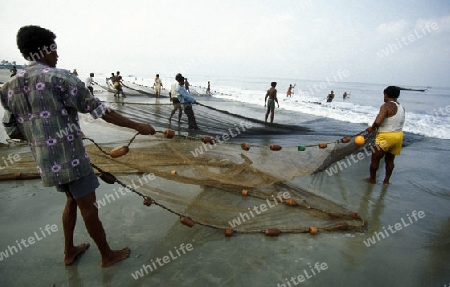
(42, 104)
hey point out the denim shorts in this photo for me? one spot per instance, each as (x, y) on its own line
(80, 187)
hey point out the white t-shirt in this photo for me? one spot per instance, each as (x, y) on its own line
(173, 92)
(89, 82)
(158, 83)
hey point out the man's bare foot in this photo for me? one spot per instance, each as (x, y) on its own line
(386, 182)
(75, 253)
(115, 256)
(369, 180)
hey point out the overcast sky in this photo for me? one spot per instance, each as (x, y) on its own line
(384, 41)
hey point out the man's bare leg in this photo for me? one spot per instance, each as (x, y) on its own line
(377, 155)
(69, 218)
(272, 114)
(95, 229)
(389, 159)
(267, 115)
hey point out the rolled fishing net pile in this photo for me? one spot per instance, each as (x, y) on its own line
(229, 186)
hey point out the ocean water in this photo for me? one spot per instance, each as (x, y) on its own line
(416, 202)
(428, 112)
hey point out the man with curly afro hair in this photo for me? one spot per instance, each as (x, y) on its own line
(41, 104)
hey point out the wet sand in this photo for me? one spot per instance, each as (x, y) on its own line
(416, 255)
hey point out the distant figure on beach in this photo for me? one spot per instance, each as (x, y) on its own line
(175, 102)
(111, 79)
(289, 91)
(75, 72)
(118, 85)
(345, 96)
(62, 161)
(272, 95)
(186, 84)
(389, 125)
(208, 89)
(13, 71)
(186, 101)
(90, 82)
(157, 86)
(330, 97)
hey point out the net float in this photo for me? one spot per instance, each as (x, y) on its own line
(275, 147)
(360, 140)
(107, 177)
(168, 133)
(322, 145)
(301, 148)
(244, 192)
(147, 201)
(208, 139)
(119, 151)
(187, 221)
(271, 232)
(17, 175)
(312, 230)
(245, 146)
(354, 215)
(290, 202)
(228, 232)
(345, 140)
(173, 172)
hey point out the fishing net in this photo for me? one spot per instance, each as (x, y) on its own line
(224, 185)
(238, 187)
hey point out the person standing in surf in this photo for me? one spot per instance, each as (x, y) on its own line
(118, 82)
(208, 89)
(157, 86)
(40, 102)
(289, 91)
(272, 95)
(389, 125)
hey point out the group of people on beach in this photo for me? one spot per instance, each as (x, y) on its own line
(117, 83)
(64, 163)
(182, 100)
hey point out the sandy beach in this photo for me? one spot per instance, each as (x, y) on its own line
(406, 243)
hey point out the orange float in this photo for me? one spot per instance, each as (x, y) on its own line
(208, 139)
(119, 151)
(290, 202)
(275, 147)
(245, 146)
(272, 232)
(187, 221)
(244, 192)
(173, 172)
(147, 201)
(360, 140)
(228, 232)
(168, 133)
(312, 230)
(322, 145)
